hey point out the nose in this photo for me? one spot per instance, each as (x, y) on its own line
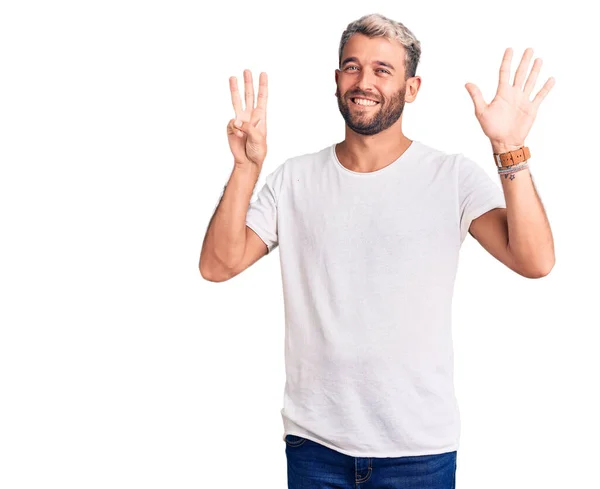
(365, 82)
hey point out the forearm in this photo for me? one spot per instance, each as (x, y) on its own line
(529, 235)
(225, 239)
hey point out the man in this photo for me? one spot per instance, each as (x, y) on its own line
(369, 232)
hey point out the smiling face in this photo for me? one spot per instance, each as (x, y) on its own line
(372, 68)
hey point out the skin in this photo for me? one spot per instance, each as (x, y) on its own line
(247, 132)
(374, 137)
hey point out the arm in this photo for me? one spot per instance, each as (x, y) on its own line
(225, 240)
(530, 238)
(520, 235)
(506, 121)
(229, 246)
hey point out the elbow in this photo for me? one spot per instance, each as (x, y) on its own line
(536, 264)
(207, 276)
(540, 271)
(211, 276)
(213, 272)
(204, 272)
(220, 264)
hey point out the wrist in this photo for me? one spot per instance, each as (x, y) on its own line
(499, 147)
(245, 170)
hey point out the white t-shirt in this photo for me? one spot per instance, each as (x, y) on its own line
(368, 263)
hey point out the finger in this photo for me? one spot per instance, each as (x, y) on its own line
(238, 124)
(232, 129)
(505, 67)
(541, 95)
(251, 130)
(532, 78)
(249, 89)
(522, 68)
(477, 97)
(263, 93)
(235, 96)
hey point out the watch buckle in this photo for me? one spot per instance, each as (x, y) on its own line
(498, 162)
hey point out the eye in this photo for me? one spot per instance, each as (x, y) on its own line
(379, 69)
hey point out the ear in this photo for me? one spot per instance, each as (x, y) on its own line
(412, 88)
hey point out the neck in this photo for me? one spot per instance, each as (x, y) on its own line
(370, 153)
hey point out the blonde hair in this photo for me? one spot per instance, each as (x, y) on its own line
(377, 25)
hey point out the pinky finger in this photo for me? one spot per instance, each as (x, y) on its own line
(545, 90)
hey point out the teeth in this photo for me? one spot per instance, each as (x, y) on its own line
(362, 101)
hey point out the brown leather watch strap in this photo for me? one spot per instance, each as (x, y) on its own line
(511, 158)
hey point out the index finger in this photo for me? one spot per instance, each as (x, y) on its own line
(235, 96)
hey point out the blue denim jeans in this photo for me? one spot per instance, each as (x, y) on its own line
(311, 465)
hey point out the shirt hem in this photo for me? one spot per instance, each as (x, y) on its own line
(435, 451)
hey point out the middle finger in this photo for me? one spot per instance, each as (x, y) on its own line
(249, 89)
(522, 68)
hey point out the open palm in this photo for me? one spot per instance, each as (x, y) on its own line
(509, 117)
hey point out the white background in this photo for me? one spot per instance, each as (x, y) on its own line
(120, 367)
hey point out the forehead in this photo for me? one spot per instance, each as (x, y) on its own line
(368, 49)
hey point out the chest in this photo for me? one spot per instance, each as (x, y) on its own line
(389, 222)
(372, 239)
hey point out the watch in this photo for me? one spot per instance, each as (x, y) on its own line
(510, 158)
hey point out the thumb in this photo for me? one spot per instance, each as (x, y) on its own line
(251, 130)
(476, 96)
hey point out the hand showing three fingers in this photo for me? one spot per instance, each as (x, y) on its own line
(248, 142)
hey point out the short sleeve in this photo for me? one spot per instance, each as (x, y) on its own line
(220, 198)
(262, 212)
(478, 193)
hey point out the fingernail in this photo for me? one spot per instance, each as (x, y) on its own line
(237, 123)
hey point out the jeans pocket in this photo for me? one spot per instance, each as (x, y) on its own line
(294, 440)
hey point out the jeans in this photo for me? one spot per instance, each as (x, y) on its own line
(311, 465)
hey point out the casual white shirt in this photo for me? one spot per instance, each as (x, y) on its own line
(368, 263)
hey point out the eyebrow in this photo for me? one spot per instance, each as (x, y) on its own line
(354, 58)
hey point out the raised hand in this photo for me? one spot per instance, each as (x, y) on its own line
(248, 142)
(509, 117)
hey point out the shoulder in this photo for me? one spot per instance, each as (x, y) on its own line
(438, 160)
(315, 157)
(306, 164)
(283, 175)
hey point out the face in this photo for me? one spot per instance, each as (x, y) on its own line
(362, 76)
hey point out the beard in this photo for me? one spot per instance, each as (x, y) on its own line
(372, 120)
